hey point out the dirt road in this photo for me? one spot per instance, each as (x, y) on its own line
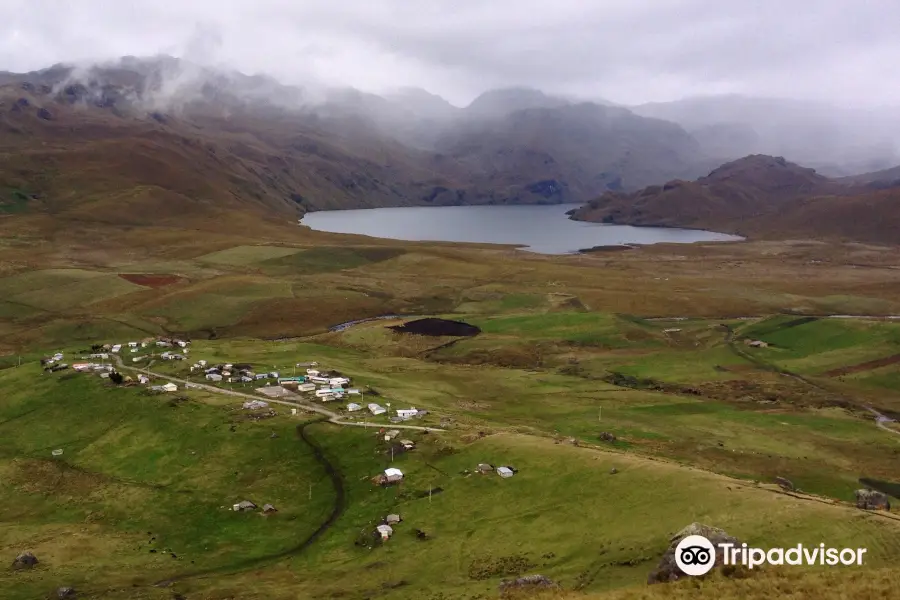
(333, 417)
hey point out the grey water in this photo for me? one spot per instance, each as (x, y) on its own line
(544, 229)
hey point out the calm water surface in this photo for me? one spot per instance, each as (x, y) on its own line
(543, 229)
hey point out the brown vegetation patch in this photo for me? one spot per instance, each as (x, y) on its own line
(150, 280)
(865, 366)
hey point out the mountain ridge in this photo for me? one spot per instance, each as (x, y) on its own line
(762, 197)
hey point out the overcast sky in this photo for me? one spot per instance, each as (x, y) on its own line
(628, 51)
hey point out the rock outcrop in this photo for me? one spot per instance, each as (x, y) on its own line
(26, 560)
(668, 570)
(528, 582)
(872, 500)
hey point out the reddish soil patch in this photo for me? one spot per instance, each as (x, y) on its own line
(147, 280)
(866, 366)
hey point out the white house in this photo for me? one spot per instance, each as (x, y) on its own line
(169, 387)
(353, 407)
(376, 409)
(143, 379)
(132, 344)
(504, 472)
(306, 387)
(338, 380)
(385, 530)
(116, 348)
(407, 413)
(393, 474)
(214, 377)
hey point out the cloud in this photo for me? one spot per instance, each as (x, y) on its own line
(626, 50)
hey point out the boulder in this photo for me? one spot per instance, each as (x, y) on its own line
(607, 437)
(872, 500)
(26, 560)
(44, 114)
(667, 570)
(65, 592)
(613, 471)
(785, 484)
(528, 582)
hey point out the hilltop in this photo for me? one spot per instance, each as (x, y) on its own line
(761, 196)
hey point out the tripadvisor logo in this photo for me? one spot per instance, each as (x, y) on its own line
(695, 555)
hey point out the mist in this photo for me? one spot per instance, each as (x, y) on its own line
(812, 82)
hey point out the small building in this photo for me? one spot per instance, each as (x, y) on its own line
(268, 509)
(312, 372)
(138, 358)
(214, 377)
(338, 381)
(306, 387)
(274, 374)
(386, 531)
(259, 376)
(353, 392)
(169, 387)
(758, 344)
(115, 349)
(307, 364)
(375, 409)
(393, 474)
(202, 363)
(353, 407)
(132, 344)
(407, 413)
(102, 355)
(245, 379)
(392, 519)
(255, 404)
(407, 444)
(504, 472)
(81, 366)
(484, 468)
(317, 379)
(244, 505)
(163, 344)
(389, 435)
(143, 379)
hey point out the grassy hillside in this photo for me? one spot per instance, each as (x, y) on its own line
(150, 472)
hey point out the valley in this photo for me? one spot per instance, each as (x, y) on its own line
(630, 390)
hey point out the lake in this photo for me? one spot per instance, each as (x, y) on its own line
(543, 229)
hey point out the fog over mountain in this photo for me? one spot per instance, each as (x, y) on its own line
(815, 86)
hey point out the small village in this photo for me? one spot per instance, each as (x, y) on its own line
(317, 385)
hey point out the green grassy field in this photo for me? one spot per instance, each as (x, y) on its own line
(567, 352)
(145, 472)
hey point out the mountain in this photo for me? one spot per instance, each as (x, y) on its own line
(758, 196)
(500, 103)
(836, 141)
(572, 152)
(163, 136)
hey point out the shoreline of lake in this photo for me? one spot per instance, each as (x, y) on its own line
(542, 229)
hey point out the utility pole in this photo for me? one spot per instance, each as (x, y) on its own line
(310, 491)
